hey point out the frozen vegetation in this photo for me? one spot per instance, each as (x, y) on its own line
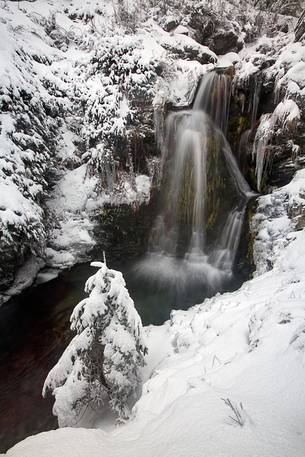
(102, 362)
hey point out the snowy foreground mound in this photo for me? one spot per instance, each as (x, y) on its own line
(246, 347)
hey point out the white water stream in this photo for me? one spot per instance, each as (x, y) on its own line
(196, 235)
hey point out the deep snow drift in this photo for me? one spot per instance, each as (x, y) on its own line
(247, 346)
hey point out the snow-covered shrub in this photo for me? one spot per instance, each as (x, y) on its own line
(127, 13)
(30, 107)
(102, 361)
(121, 80)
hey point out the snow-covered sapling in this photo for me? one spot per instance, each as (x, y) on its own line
(102, 363)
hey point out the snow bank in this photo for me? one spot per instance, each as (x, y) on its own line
(289, 72)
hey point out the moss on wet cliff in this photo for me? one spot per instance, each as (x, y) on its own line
(123, 231)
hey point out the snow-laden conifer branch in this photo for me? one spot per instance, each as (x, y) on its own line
(102, 362)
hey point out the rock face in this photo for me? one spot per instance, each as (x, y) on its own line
(213, 30)
(266, 123)
(288, 7)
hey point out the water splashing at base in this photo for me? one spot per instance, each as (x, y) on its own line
(196, 234)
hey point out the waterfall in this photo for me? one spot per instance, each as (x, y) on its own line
(214, 98)
(225, 256)
(196, 234)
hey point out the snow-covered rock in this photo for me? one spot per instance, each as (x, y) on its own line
(269, 104)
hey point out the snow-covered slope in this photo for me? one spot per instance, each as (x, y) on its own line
(245, 347)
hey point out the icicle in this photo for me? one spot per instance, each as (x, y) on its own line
(261, 141)
(255, 101)
(104, 257)
(159, 126)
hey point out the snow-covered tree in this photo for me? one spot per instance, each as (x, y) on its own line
(102, 362)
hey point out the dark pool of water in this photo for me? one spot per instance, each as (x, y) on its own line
(34, 330)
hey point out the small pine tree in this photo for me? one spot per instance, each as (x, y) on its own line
(102, 361)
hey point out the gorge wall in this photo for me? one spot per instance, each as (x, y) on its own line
(79, 93)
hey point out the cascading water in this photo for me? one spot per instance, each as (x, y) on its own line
(214, 98)
(196, 235)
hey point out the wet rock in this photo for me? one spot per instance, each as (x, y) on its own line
(225, 41)
(24, 278)
(219, 31)
(283, 165)
(300, 28)
(300, 225)
(124, 230)
(203, 25)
